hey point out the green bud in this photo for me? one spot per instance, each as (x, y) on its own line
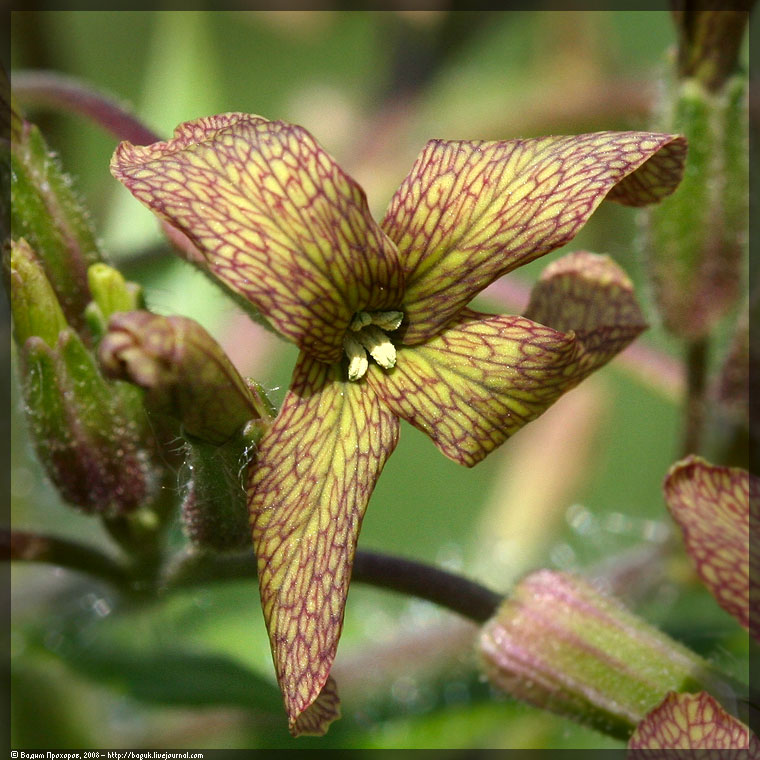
(214, 505)
(563, 646)
(46, 212)
(111, 293)
(184, 371)
(86, 430)
(697, 236)
(34, 305)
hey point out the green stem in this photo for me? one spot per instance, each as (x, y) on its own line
(696, 385)
(34, 547)
(194, 568)
(455, 592)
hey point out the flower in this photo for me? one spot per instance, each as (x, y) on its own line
(280, 223)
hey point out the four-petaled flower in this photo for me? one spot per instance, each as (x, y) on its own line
(380, 315)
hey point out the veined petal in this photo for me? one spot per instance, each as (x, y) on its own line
(711, 505)
(276, 219)
(316, 469)
(471, 211)
(591, 295)
(317, 717)
(693, 722)
(478, 381)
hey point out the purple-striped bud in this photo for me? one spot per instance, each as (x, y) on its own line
(561, 645)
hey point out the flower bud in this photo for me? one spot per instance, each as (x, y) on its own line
(86, 431)
(46, 212)
(697, 236)
(184, 371)
(89, 434)
(110, 293)
(34, 306)
(561, 645)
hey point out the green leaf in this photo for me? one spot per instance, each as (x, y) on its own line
(171, 676)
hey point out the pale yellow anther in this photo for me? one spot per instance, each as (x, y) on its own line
(387, 320)
(366, 333)
(361, 319)
(379, 346)
(357, 357)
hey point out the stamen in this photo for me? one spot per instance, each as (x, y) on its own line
(361, 319)
(357, 357)
(379, 346)
(367, 332)
(387, 320)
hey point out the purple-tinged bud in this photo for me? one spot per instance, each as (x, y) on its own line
(184, 372)
(709, 40)
(110, 293)
(561, 645)
(46, 212)
(87, 432)
(187, 375)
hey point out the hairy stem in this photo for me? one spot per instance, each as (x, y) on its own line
(696, 386)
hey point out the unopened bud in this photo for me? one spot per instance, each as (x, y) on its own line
(110, 293)
(86, 431)
(184, 372)
(35, 308)
(561, 645)
(46, 212)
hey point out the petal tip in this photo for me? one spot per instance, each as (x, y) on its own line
(316, 717)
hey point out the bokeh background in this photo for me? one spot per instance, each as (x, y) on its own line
(578, 490)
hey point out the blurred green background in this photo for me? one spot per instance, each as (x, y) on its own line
(579, 489)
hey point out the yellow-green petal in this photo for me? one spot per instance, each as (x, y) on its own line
(469, 212)
(591, 295)
(693, 722)
(317, 467)
(316, 719)
(711, 505)
(276, 219)
(478, 381)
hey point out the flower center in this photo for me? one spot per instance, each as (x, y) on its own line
(367, 333)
